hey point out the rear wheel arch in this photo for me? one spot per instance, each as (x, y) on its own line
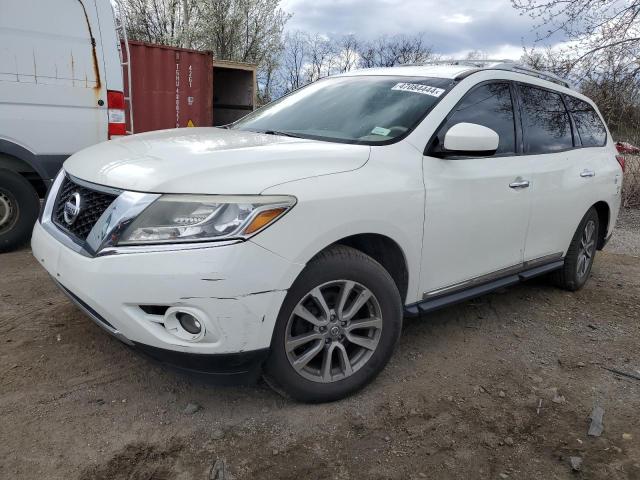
(579, 257)
(604, 214)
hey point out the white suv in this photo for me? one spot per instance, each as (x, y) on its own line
(292, 242)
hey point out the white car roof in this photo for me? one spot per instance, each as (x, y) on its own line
(455, 68)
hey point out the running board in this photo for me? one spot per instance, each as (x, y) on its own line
(433, 304)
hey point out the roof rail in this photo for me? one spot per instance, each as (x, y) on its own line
(484, 63)
(520, 68)
(492, 64)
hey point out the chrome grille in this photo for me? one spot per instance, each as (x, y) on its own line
(94, 203)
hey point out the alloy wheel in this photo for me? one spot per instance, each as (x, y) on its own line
(333, 331)
(587, 249)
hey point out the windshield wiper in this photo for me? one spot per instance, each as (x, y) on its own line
(278, 132)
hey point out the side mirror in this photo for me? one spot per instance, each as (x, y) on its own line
(470, 139)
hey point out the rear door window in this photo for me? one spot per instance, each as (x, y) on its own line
(590, 128)
(545, 121)
(488, 105)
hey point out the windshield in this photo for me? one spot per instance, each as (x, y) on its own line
(370, 110)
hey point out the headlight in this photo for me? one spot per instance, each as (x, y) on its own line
(197, 218)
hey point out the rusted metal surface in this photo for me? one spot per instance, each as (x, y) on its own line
(96, 66)
(172, 87)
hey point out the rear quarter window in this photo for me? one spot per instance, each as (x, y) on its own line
(545, 121)
(588, 123)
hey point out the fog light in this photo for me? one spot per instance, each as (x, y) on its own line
(189, 323)
(186, 323)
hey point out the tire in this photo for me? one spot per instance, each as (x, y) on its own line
(19, 210)
(331, 274)
(580, 255)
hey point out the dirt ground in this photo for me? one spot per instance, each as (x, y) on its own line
(499, 387)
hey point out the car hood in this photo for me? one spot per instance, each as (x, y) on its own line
(210, 160)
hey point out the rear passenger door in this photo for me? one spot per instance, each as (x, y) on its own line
(477, 207)
(561, 173)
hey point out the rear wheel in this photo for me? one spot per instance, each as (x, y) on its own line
(336, 329)
(582, 250)
(19, 209)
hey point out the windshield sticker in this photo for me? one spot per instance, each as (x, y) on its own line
(380, 131)
(419, 88)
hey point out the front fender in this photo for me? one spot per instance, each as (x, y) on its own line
(384, 198)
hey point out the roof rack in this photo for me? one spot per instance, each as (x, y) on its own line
(508, 65)
(465, 62)
(519, 68)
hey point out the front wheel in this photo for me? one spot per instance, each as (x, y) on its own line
(337, 327)
(580, 255)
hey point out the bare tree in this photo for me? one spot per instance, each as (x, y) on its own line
(396, 50)
(294, 61)
(548, 59)
(307, 58)
(321, 52)
(409, 49)
(476, 55)
(241, 30)
(347, 54)
(158, 21)
(268, 78)
(594, 26)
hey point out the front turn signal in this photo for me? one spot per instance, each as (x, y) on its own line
(263, 219)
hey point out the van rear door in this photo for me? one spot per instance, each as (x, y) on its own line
(53, 93)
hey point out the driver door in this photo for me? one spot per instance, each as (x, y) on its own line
(477, 207)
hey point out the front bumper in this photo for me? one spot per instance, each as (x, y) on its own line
(229, 368)
(236, 290)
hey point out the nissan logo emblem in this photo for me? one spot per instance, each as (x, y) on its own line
(72, 208)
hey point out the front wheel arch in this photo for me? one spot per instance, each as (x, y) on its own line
(384, 250)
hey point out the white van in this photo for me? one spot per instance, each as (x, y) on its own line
(61, 90)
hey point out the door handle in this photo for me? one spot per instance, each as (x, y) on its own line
(587, 173)
(519, 183)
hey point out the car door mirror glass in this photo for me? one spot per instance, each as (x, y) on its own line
(470, 139)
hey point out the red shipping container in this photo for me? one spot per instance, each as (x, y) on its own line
(172, 87)
(177, 87)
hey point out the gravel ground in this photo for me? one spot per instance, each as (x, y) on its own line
(496, 388)
(626, 236)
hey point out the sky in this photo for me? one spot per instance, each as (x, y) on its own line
(452, 27)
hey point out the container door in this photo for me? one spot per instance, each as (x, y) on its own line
(233, 94)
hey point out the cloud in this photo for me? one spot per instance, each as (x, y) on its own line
(499, 52)
(457, 18)
(450, 26)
